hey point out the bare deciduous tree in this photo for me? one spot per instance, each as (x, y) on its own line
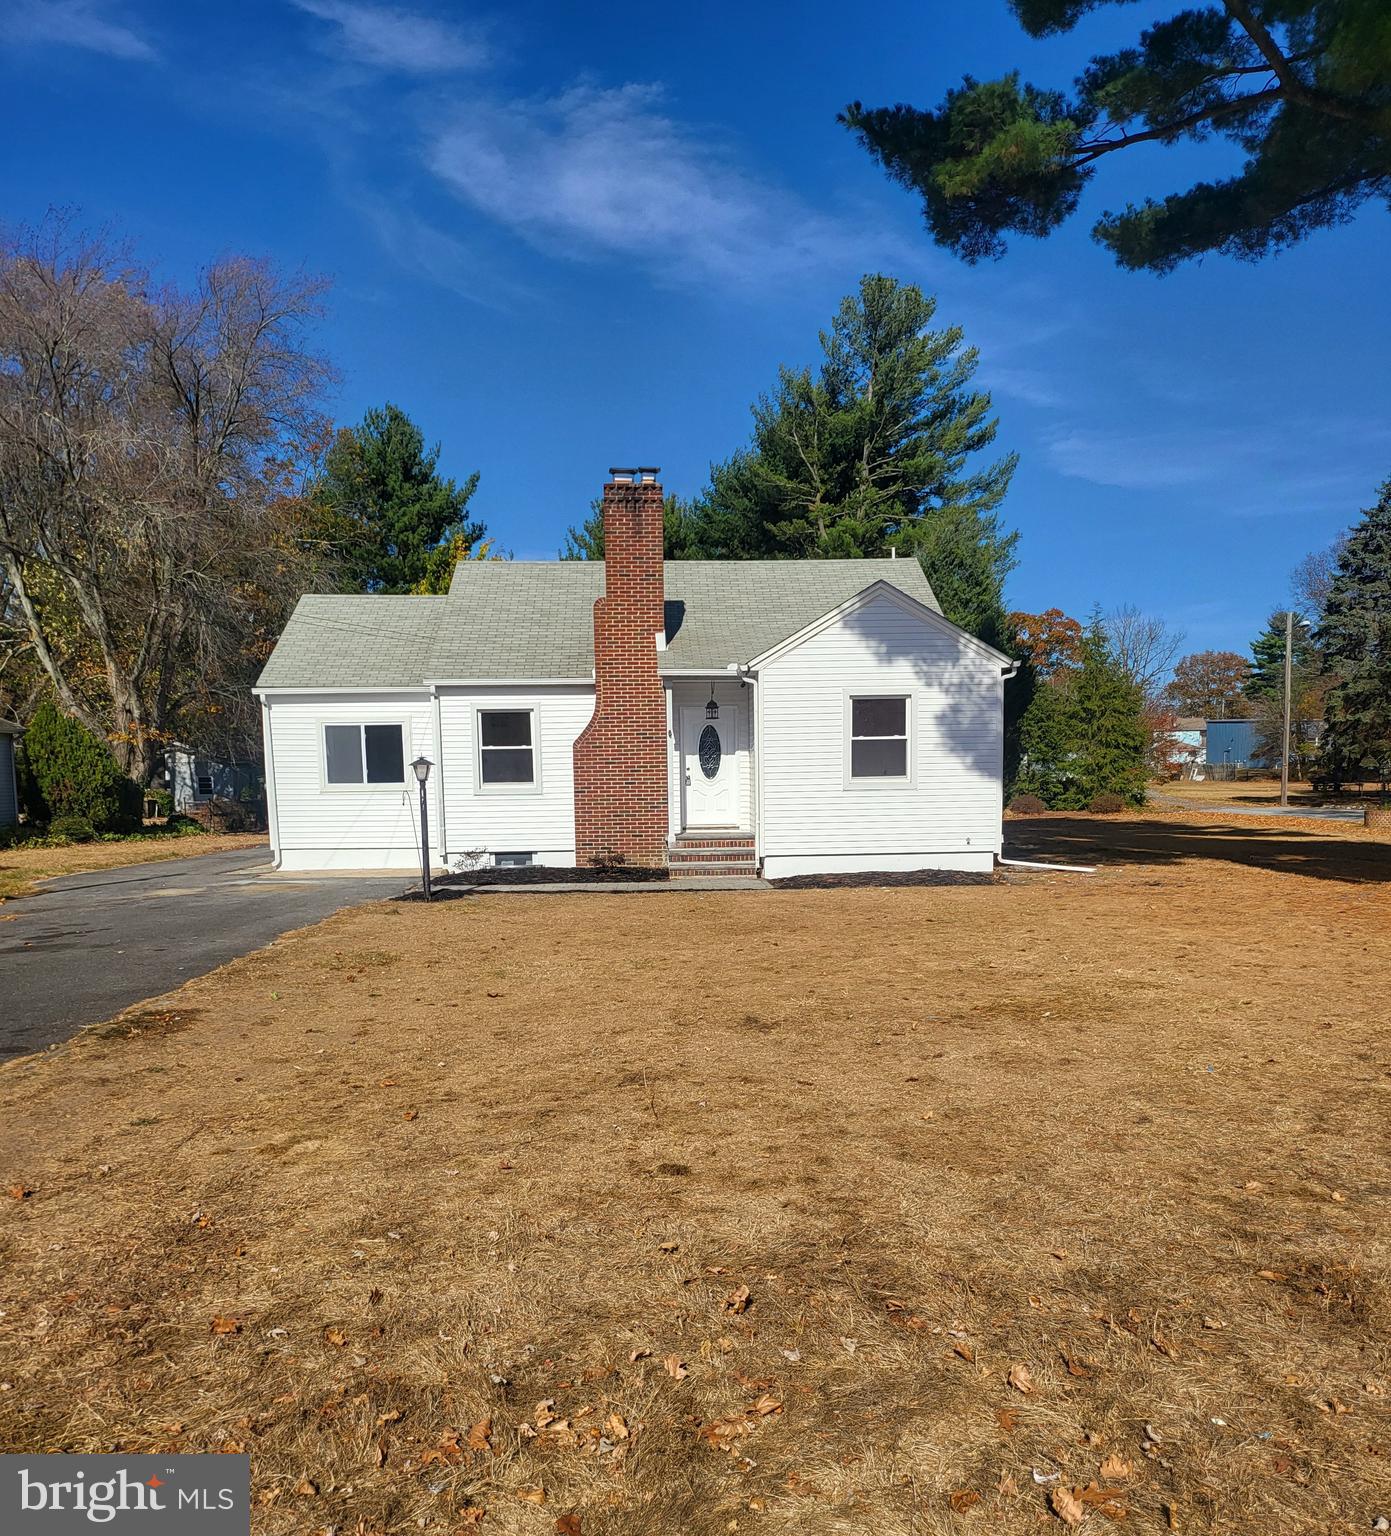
(1313, 577)
(1144, 647)
(150, 540)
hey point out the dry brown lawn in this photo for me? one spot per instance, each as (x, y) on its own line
(21, 867)
(910, 1211)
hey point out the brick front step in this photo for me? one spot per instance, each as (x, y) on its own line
(739, 855)
(725, 867)
(732, 841)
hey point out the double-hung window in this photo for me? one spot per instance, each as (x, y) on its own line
(506, 749)
(879, 738)
(364, 754)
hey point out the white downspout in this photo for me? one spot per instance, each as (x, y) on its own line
(272, 811)
(443, 822)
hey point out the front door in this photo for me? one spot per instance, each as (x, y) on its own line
(709, 768)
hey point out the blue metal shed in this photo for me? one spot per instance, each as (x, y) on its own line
(1233, 742)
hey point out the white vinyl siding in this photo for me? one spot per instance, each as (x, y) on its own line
(947, 813)
(536, 818)
(333, 826)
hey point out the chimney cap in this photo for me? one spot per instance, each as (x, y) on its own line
(647, 473)
(618, 472)
(644, 474)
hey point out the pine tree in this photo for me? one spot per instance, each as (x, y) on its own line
(1083, 733)
(1108, 717)
(1297, 89)
(585, 541)
(1355, 637)
(386, 510)
(875, 449)
(1266, 678)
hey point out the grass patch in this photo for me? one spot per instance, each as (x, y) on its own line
(824, 1211)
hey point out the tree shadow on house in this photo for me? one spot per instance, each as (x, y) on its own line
(1095, 840)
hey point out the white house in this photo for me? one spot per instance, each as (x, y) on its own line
(717, 716)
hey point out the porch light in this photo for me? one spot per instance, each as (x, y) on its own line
(712, 709)
(421, 768)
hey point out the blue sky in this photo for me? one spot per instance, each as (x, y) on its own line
(564, 236)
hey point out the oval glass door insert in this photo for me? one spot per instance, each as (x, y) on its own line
(709, 751)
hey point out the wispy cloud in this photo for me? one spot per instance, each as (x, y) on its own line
(1135, 461)
(1240, 471)
(609, 173)
(75, 24)
(389, 37)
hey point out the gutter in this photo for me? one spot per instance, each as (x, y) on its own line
(272, 811)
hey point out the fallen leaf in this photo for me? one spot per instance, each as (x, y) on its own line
(1213, 1322)
(411, 1114)
(336, 1337)
(638, 1354)
(1267, 1274)
(1075, 1367)
(963, 1499)
(390, 1417)
(675, 1367)
(668, 1247)
(1339, 1196)
(478, 1435)
(1067, 1506)
(1164, 1347)
(767, 1404)
(722, 1433)
(615, 1427)
(966, 1352)
(1008, 1418)
(1115, 1466)
(568, 1525)
(532, 1495)
(1020, 1379)
(1007, 1488)
(737, 1300)
(225, 1325)
(19, 1192)
(307, 1486)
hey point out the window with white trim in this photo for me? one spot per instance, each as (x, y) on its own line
(364, 754)
(506, 748)
(879, 738)
(514, 860)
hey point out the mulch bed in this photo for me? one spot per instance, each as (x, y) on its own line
(875, 879)
(447, 887)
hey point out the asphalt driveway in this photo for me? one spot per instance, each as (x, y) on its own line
(86, 946)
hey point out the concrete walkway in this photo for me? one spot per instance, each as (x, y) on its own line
(1353, 813)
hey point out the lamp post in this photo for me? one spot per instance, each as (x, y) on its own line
(421, 768)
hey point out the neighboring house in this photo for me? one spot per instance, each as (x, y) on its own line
(798, 716)
(194, 779)
(9, 789)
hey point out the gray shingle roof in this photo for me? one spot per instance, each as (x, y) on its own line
(533, 619)
(354, 642)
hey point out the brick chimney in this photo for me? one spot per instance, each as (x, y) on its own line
(621, 755)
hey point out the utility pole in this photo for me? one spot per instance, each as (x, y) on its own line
(1285, 741)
